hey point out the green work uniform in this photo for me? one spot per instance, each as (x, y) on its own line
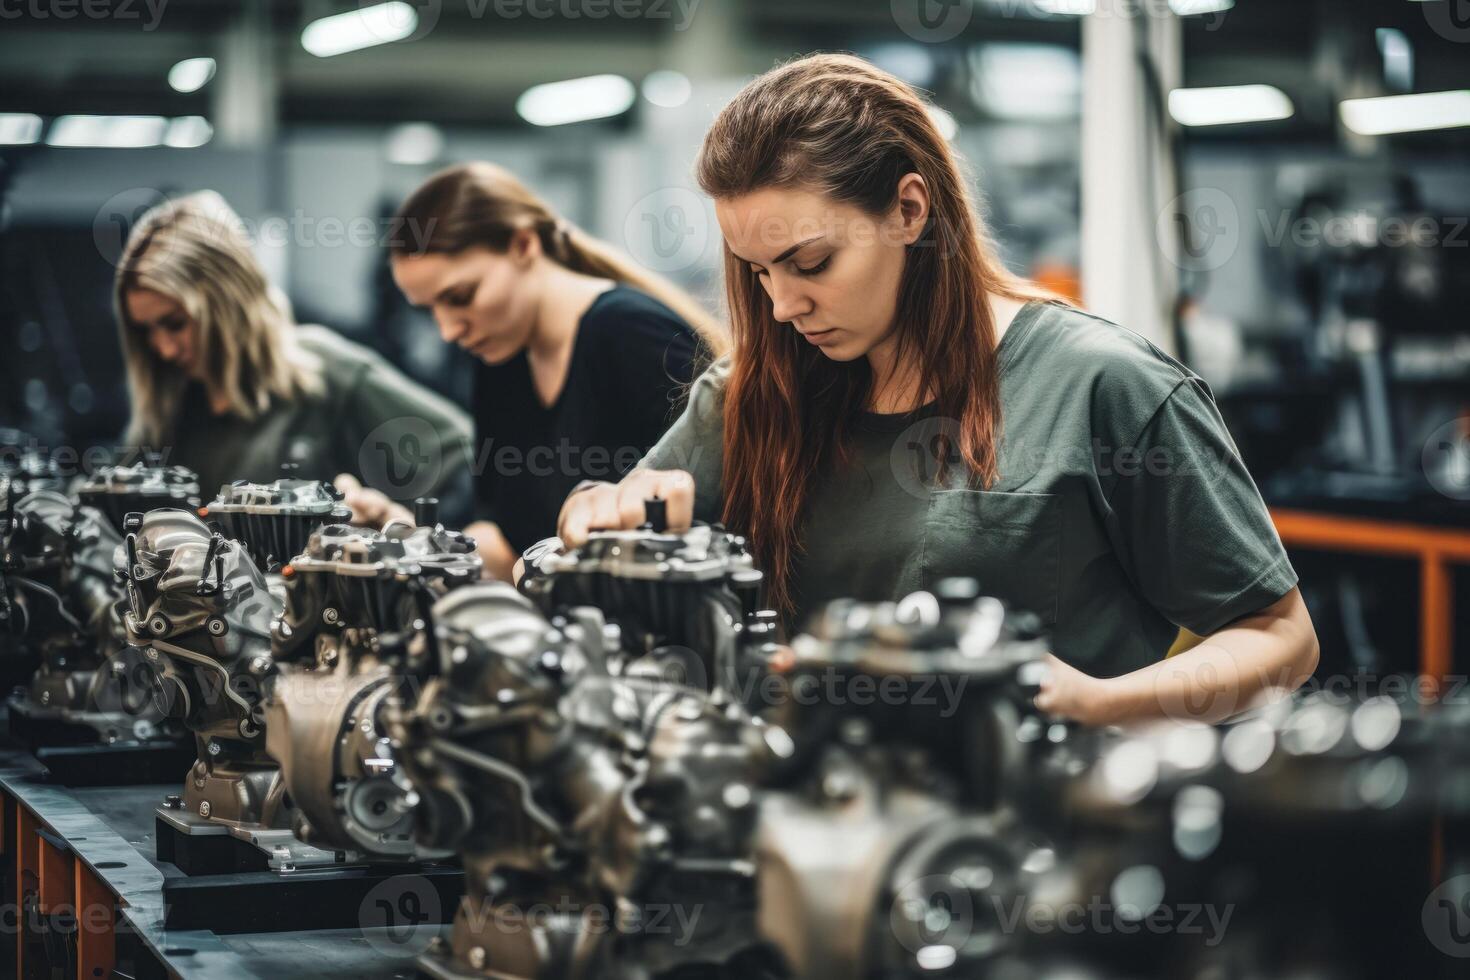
(369, 420)
(1121, 513)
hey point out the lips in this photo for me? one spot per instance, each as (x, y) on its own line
(819, 337)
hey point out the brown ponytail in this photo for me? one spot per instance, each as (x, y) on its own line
(483, 205)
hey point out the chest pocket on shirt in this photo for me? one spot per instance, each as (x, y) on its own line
(1008, 542)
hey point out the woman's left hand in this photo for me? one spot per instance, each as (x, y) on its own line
(1067, 692)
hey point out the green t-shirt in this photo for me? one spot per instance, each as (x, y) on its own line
(1122, 510)
(369, 420)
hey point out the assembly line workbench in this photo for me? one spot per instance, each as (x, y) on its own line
(85, 898)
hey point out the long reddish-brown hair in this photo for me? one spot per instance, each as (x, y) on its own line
(839, 126)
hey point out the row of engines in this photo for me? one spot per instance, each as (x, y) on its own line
(640, 779)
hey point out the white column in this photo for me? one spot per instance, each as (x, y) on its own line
(245, 90)
(1129, 265)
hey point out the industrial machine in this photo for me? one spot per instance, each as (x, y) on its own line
(201, 612)
(583, 748)
(117, 491)
(89, 688)
(354, 625)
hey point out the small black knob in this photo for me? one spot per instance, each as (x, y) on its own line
(132, 522)
(747, 585)
(426, 511)
(1027, 625)
(656, 510)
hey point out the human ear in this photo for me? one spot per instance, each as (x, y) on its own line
(525, 246)
(912, 207)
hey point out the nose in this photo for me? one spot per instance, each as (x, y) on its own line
(165, 345)
(451, 328)
(788, 299)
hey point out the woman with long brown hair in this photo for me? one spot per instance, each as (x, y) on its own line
(584, 355)
(899, 408)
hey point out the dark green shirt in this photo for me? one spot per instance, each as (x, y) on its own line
(369, 420)
(1122, 511)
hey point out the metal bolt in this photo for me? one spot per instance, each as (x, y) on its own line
(477, 957)
(329, 615)
(839, 786)
(204, 808)
(215, 748)
(737, 796)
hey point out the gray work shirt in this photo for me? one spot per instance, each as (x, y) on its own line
(1121, 513)
(369, 420)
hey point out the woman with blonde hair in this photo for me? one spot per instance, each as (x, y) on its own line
(584, 356)
(224, 382)
(899, 409)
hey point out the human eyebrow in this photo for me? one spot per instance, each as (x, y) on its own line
(789, 252)
(443, 294)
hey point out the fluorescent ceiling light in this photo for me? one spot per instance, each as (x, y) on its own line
(1067, 8)
(19, 128)
(576, 100)
(1227, 104)
(109, 131)
(1189, 8)
(1406, 113)
(1026, 81)
(414, 144)
(357, 29)
(667, 89)
(191, 74)
(187, 132)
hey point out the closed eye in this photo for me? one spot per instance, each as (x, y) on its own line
(460, 296)
(813, 270)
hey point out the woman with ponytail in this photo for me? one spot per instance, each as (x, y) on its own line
(585, 356)
(899, 408)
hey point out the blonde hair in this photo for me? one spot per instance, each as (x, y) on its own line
(196, 250)
(481, 204)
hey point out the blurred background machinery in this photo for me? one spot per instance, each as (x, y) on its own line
(1275, 192)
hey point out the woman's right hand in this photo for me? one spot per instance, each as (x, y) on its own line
(370, 508)
(619, 506)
